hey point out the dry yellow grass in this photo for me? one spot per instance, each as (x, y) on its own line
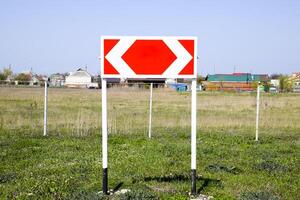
(78, 111)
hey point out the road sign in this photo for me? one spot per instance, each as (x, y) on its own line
(148, 57)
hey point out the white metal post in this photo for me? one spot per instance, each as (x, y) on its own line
(104, 137)
(150, 110)
(193, 135)
(257, 112)
(45, 107)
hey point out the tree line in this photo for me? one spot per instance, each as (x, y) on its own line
(6, 72)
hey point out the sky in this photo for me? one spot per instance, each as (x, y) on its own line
(257, 36)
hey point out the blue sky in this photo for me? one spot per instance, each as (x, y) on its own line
(258, 36)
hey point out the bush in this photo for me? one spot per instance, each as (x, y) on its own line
(2, 77)
(254, 85)
(266, 87)
(285, 85)
(23, 77)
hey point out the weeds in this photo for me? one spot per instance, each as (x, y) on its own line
(222, 168)
(270, 166)
(259, 195)
(139, 193)
(4, 178)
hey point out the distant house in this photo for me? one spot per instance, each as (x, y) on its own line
(177, 80)
(275, 83)
(36, 79)
(235, 81)
(57, 80)
(78, 79)
(157, 82)
(111, 82)
(10, 78)
(296, 79)
(171, 81)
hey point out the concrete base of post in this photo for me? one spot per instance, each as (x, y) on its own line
(104, 182)
(194, 179)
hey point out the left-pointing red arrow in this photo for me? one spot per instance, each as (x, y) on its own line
(108, 67)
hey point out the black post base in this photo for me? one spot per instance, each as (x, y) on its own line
(194, 178)
(104, 181)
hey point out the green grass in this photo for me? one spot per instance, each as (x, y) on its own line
(229, 165)
(67, 164)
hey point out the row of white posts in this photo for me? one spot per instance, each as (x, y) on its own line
(150, 110)
(193, 129)
(257, 111)
(45, 108)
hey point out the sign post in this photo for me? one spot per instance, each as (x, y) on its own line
(194, 136)
(150, 110)
(45, 107)
(104, 137)
(257, 112)
(141, 57)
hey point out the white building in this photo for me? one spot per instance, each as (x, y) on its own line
(171, 81)
(80, 79)
(296, 79)
(275, 82)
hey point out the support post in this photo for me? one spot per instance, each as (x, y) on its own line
(45, 107)
(257, 113)
(150, 110)
(193, 137)
(104, 138)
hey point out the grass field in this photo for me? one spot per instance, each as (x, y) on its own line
(67, 163)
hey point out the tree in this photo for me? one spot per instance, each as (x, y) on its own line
(2, 77)
(266, 86)
(254, 85)
(199, 79)
(285, 84)
(7, 72)
(23, 77)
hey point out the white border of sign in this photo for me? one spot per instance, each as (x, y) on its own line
(148, 38)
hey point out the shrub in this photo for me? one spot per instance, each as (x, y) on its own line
(285, 84)
(2, 77)
(23, 77)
